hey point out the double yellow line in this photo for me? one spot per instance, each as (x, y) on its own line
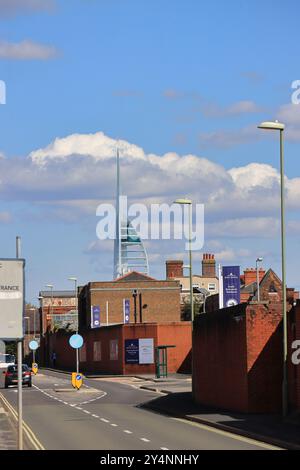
(27, 431)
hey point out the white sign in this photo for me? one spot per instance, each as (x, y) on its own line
(146, 351)
(11, 298)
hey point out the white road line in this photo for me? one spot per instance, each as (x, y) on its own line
(164, 448)
(77, 408)
(87, 412)
(95, 416)
(114, 425)
(104, 420)
(127, 432)
(144, 439)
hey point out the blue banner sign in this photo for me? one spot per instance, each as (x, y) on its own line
(95, 323)
(231, 286)
(126, 310)
(132, 351)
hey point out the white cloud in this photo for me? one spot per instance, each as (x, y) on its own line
(26, 50)
(247, 227)
(72, 175)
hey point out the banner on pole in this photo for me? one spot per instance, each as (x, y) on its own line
(231, 286)
(95, 323)
(126, 311)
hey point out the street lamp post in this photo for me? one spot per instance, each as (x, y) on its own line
(74, 279)
(277, 126)
(50, 286)
(188, 202)
(28, 333)
(259, 260)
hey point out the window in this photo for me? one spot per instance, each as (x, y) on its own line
(97, 351)
(82, 353)
(211, 287)
(113, 349)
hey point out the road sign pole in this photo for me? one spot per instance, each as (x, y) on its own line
(20, 401)
(20, 378)
(77, 361)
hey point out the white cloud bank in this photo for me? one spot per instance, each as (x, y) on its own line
(73, 174)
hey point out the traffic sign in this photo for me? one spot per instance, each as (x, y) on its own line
(33, 345)
(76, 380)
(34, 368)
(76, 341)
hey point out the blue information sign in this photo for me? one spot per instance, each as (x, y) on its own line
(131, 351)
(231, 286)
(126, 310)
(95, 316)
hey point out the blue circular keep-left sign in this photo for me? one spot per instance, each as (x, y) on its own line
(76, 341)
(33, 345)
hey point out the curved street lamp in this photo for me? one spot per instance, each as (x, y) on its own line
(278, 126)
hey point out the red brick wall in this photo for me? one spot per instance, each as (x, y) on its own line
(264, 357)
(178, 334)
(237, 358)
(219, 359)
(294, 370)
(298, 367)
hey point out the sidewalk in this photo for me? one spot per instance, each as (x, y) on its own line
(8, 436)
(266, 428)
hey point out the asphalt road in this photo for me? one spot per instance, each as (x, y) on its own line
(106, 415)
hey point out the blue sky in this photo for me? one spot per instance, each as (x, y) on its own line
(189, 77)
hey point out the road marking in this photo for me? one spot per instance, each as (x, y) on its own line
(95, 416)
(87, 412)
(27, 430)
(114, 425)
(164, 448)
(236, 437)
(78, 408)
(127, 432)
(144, 439)
(104, 420)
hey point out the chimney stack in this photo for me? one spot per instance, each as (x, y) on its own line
(174, 269)
(208, 265)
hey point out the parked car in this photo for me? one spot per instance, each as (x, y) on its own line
(7, 360)
(11, 376)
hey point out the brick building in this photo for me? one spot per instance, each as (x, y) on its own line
(32, 326)
(207, 281)
(57, 309)
(270, 287)
(104, 349)
(150, 300)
